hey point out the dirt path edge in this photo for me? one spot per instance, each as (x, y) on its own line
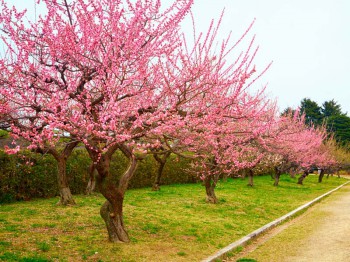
(221, 254)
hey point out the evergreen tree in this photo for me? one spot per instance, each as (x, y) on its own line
(312, 111)
(331, 108)
(288, 111)
(339, 125)
(336, 121)
(330, 114)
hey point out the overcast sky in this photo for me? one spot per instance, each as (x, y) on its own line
(307, 40)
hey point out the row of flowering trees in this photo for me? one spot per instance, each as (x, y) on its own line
(119, 75)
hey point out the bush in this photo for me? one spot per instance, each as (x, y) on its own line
(28, 175)
(174, 172)
(3, 134)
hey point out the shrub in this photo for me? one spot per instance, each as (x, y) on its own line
(28, 175)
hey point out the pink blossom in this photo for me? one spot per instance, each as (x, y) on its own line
(12, 151)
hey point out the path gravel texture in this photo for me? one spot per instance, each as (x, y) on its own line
(321, 234)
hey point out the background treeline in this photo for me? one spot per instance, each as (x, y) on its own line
(27, 175)
(329, 114)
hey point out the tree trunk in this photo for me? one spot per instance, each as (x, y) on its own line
(161, 161)
(292, 172)
(113, 217)
(302, 177)
(112, 210)
(321, 175)
(272, 174)
(210, 184)
(277, 176)
(242, 173)
(250, 178)
(92, 180)
(66, 197)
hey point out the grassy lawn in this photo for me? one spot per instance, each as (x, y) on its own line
(174, 224)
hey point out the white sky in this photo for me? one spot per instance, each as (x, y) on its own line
(307, 40)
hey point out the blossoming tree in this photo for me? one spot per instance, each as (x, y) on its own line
(119, 75)
(297, 144)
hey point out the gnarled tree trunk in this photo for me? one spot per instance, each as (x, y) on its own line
(302, 177)
(112, 210)
(161, 160)
(210, 184)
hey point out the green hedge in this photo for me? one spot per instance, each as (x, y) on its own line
(28, 175)
(174, 172)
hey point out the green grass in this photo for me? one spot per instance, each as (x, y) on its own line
(173, 224)
(44, 246)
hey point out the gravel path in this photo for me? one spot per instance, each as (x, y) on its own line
(321, 234)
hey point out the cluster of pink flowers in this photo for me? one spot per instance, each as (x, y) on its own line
(112, 73)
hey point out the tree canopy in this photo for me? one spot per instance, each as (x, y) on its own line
(330, 115)
(312, 111)
(339, 125)
(331, 108)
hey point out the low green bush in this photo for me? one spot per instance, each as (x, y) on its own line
(174, 172)
(4, 134)
(28, 175)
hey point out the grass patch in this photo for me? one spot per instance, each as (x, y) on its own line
(174, 224)
(181, 253)
(9, 256)
(43, 246)
(5, 244)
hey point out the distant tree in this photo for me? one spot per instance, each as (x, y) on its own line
(312, 111)
(330, 114)
(331, 108)
(339, 125)
(161, 158)
(341, 154)
(288, 111)
(297, 145)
